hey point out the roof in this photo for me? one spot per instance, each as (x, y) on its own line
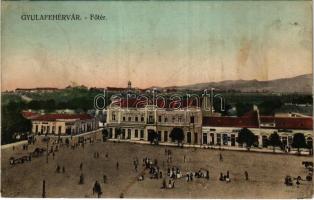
(115, 88)
(303, 123)
(241, 122)
(141, 103)
(54, 117)
(250, 120)
(38, 88)
(29, 115)
(304, 110)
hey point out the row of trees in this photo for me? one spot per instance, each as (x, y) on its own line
(13, 122)
(245, 137)
(83, 103)
(248, 138)
(176, 135)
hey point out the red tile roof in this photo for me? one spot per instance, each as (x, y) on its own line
(303, 123)
(250, 120)
(54, 117)
(141, 103)
(241, 122)
(29, 115)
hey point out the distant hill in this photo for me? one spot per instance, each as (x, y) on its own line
(299, 84)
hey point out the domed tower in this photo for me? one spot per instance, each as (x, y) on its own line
(129, 85)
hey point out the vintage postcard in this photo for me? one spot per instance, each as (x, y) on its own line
(157, 99)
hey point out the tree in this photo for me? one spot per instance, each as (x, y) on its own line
(274, 140)
(247, 137)
(34, 104)
(243, 108)
(268, 107)
(49, 105)
(105, 134)
(152, 136)
(309, 145)
(118, 132)
(13, 122)
(299, 141)
(177, 135)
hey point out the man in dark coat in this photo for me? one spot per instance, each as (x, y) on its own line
(97, 189)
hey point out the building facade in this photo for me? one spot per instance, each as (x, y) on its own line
(63, 124)
(200, 127)
(130, 123)
(223, 131)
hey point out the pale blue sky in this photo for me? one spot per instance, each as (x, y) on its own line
(155, 43)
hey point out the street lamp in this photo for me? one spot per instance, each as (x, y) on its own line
(44, 189)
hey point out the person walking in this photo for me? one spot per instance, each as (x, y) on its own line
(207, 175)
(97, 189)
(81, 179)
(81, 166)
(117, 165)
(58, 169)
(246, 174)
(163, 184)
(105, 178)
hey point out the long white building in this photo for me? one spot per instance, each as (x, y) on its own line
(63, 124)
(223, 131)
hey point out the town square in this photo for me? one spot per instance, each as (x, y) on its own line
(266, 172)
(157, 99)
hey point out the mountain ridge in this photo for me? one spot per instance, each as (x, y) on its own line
(298, 84)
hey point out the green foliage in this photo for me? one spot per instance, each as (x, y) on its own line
(247, 137)
(177, 135)
(309, 144)
(152, 135)
(105, 132)
(7, 98)
(274, 140)
(118, 132)
(269, 106)
(48, 105)
(243, 108)
(299, 141)
(13, 122)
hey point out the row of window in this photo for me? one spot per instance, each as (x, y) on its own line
(46, 129)
(151, 119)
(224, 139)
(136, 118)
(137, 133)
(220, 139)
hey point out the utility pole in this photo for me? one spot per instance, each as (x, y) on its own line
(47, 140)
(211, 101)
(44, 189)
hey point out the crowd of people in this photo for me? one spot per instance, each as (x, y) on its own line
(58, 169)
(199, 174)
(289, 181)
(172, 171)
(226, 177)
